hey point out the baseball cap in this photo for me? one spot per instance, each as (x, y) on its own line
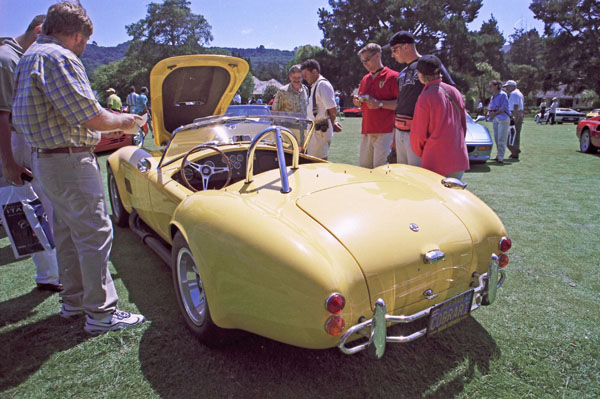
(110, 90)
(429, 64)
(401, 37)
(510, 83)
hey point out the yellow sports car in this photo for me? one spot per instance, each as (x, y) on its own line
(264, 238)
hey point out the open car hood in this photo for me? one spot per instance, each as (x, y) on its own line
(192, 86)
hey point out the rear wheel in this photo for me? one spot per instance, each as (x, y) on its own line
(585, 141)
(120, 216)
(191, 296)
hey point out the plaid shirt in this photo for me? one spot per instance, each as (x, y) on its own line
(53, 97)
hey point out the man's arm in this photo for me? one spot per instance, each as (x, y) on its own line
(108, 121)
(11, 170)
(337, 127)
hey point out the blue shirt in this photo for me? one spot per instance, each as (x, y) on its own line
(140, 102)
(499, 102)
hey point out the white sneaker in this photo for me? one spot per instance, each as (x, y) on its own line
(118, 321)
(70, 312)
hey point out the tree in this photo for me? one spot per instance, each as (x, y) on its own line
(351, 24)
(572, 28)
(489, 43)
(169, 29)
(269, 93)
(247, 88)
(485, 73)
(526, 59)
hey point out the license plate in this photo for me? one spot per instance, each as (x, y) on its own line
(450, 312)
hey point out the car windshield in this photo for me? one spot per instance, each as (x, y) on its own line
(224, 130)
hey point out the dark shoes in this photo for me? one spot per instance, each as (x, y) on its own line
(514, 156)
(50, 287)
(497, 160)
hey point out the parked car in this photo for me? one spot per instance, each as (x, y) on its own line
(109, 144)
(592, 113)
(248, 110)
(352, 112)
(588, 133)
(478, 140)
(563, 115)
(264, 238)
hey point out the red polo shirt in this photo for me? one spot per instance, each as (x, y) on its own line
(383, 87)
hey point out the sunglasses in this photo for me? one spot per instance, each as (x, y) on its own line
(396, 48)
(364, 61)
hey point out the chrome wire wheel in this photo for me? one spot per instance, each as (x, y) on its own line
(190, 287)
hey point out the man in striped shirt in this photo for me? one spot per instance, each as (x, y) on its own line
(56, 111)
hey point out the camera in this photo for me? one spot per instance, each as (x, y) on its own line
(322, 125)
(363, 97)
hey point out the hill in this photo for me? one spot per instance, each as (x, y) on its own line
(95, 56)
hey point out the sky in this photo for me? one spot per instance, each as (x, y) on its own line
(280, 24)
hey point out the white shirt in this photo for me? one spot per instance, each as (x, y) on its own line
(325, 100)
(516, 98)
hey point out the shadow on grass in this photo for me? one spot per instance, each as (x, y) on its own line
(25, 349)
(177, 365)
(478, 168)
(21, 308)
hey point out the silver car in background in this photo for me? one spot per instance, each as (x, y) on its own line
(478, 140)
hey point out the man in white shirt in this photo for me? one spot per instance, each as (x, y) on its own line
(515, 106)
(321, 109)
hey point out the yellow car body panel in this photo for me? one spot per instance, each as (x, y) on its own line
(269, 259)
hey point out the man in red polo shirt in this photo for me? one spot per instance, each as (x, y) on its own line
(377, 96)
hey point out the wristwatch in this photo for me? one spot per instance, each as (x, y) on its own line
(380, 104)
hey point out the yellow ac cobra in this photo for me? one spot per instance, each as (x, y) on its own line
(264, 238)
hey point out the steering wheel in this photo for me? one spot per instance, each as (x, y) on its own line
(206, 170)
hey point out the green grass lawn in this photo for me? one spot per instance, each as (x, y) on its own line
(540, 339)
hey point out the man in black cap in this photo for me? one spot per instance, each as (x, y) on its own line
(404, 51)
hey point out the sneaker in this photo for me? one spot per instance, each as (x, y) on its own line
(118, 321)
(70, 312)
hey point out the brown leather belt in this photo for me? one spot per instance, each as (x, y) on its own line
(62, 150)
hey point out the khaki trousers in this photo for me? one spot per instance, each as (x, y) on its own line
(82, 229)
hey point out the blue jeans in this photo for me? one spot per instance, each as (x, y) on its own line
(501, 127)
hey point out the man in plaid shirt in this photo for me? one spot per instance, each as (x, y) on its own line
(56, 111)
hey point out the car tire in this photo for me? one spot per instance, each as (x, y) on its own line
(191, 296)
(119, 216)
(585, 142)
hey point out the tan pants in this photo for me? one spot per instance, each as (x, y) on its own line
(82, 229)
(374, 149)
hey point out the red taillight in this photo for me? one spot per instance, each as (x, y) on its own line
(335, 325)
(504, 244)
(335, 303)
(502, 261)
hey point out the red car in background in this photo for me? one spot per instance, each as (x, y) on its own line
(352, 112)
(588, 133)
(109, 144)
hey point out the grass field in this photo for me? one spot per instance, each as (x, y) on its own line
(540, 339)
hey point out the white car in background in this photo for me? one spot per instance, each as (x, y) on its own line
(563, 115)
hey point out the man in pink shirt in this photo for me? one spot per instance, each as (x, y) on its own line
(439, 124)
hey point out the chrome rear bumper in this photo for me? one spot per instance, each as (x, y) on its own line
(376, 327)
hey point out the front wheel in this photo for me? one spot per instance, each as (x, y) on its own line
(585, 142)
(191, 296)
